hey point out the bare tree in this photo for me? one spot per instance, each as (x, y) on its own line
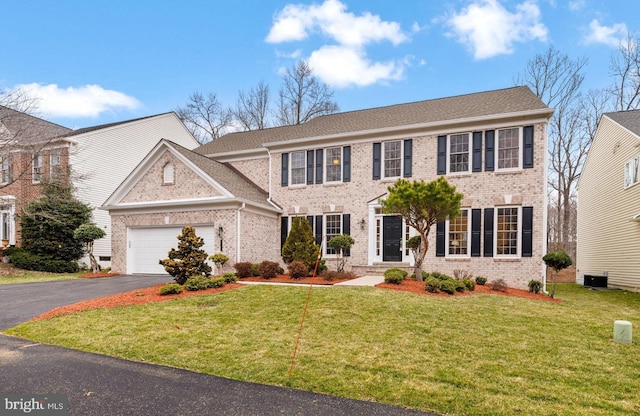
(252, 108)
(625, 69)
(303, 97)
(205, 117)
(556, 79)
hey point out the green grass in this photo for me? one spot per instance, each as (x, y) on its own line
(25, 276)
(472, 355)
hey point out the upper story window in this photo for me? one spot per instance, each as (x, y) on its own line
(459, 152)
(55, 163)
(36, 174)
(458, 234)
(298, 164)
(508, 148)
(168, 174)
(7, 169)
(631, 172)
(507, 231)
(392, 153)
(333, 164)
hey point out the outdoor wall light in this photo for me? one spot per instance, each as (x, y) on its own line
(220, 231)
(362, 224)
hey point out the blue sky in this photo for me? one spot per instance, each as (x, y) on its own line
(95, 62)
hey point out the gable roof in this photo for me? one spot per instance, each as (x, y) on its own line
(26, 129)
(498, 102)
(235, 186)
(627, 119)
(109, 125)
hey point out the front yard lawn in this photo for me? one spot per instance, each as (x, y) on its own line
(469, 355)
(10, 274)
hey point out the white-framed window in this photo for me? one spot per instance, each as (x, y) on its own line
(507, 231)
(55, 163)
(392, 159)
(298, 169)
(458, 234)
(333, 164)
(168, 174)
(332, 228)
(36, 174)
(508, 145)
(632, 172)
(459, 152)
(7, 169)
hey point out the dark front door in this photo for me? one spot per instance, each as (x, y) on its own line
(391, 237)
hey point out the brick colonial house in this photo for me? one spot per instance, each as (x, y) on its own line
(96, 159)
(241, 191)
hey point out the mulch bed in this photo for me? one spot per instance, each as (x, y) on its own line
(285, 278)
(414, 286)
(101, 274)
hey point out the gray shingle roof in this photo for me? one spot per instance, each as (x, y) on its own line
(628, 119)
(229, 178)
(26, 129)
(504, 101)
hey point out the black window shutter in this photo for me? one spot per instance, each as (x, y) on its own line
(488, 232)
(346, 229)
(477, 151)
(442, 155)
(377, 154)
(408, 158)
(346, 164)
(284, 180)
(318, 229)
(310, 167)
(310, 219)
(489, 150)
(476, 232)
(440, 246)
(319, 164)
(284, 231)
(527, 147)
(527, 231)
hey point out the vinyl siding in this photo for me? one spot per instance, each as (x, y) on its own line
(608, 240)
(103, 158)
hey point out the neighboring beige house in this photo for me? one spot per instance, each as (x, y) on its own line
(609, 203)
(96, 159)
(335, 169)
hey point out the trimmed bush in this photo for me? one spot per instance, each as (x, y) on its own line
(469, 284)
(481, 280)
(170, 289)
(254, 269)
(395, 276)
(196, 282)
(448, 286)
(243, 269)
(28, 261)
(215, 282)
(297, 269)
(535, 286)
(268, 269)
(432, 284)
(499, 285)
(441, 276)
(460, 286)
(230, 277)
(330, 275)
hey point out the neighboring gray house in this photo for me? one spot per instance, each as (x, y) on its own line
(608, 232)
(334, 170)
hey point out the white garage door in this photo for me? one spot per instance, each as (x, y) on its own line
(146, 246)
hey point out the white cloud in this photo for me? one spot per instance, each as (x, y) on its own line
(488, 29)
(84, 101)
(355, 67)
(351, 33)
(576, 5)
(608, 35)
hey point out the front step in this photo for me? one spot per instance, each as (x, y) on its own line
(378, 269)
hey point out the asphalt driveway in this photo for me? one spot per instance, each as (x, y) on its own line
(98, 385)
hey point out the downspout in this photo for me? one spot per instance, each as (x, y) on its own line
(238, 230)
(545, 212)
(269, 190)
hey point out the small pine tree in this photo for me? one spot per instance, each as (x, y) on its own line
(189, 259)
(300, 243)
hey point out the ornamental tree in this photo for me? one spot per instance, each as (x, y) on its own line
(189, 259)
(341, 244)
(300, 243)
(87, 234)
(557, 260)
(422, 204)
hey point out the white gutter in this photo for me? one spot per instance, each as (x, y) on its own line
(238, 230)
